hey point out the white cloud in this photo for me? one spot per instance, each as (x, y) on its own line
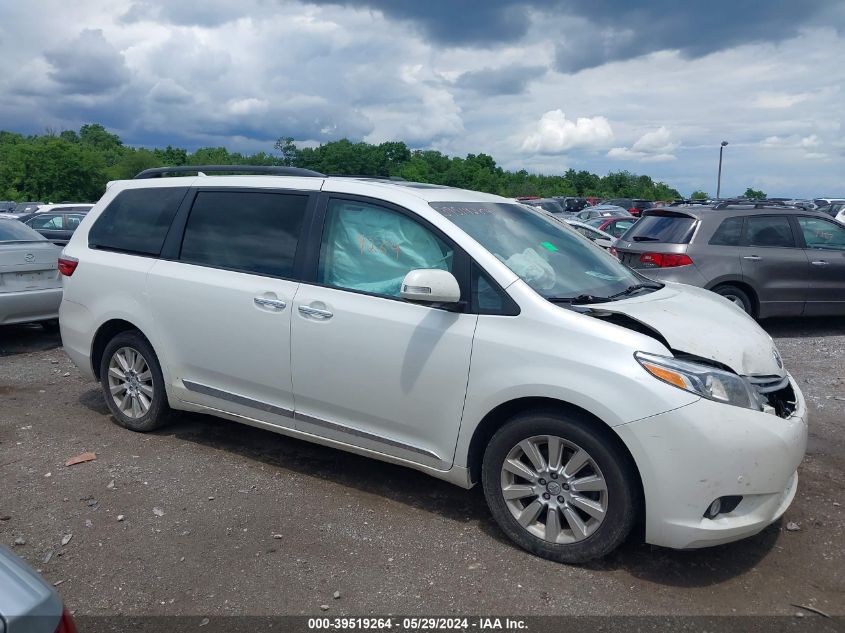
(654, 146)
(775, 100)
(555, 134)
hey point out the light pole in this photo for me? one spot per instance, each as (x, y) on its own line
(719, 180)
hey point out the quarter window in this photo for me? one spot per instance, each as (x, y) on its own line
(371, 249)
(254, 232)
(137, 220)
(769, 230)
(822, 234)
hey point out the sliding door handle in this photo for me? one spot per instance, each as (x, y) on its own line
(315, 312)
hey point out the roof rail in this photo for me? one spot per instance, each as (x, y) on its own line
(757, 204)
(365, 177)
(158, 172)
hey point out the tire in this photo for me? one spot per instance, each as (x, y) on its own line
(737, 296)
(143, 406)
(50, 326)
(580, 536)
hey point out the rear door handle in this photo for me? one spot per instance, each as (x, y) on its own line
(753, 258)
(315, 312)
(276, 304)
(819, 262)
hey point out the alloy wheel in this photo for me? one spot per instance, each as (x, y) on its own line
(131, 382)
(554, 489)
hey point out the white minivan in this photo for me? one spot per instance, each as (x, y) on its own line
(455, 332)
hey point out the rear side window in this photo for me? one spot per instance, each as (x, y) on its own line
(668, 229)
(253, 232)
(769, 230)
(729, 233)
(137, 220)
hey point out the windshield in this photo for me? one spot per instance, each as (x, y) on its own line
(550, 257)
(14, 231)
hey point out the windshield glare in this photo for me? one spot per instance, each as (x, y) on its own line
(550, 257)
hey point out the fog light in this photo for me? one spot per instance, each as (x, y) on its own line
(714, 509)
(722, 505)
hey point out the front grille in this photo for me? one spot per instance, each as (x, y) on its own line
(775, 393)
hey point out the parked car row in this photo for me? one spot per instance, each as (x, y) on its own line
(56, 222)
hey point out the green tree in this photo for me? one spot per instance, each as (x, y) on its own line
(699, 195)
(754, 194)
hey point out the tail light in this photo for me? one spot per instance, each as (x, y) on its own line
(664, 260)
(634, 211)
(66, 623)
(67, 265)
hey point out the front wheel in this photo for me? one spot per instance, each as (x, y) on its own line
(133, 384)
(558, 487)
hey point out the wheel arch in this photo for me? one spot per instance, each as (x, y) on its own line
(106, 332)
(497, 417)
(742, 285)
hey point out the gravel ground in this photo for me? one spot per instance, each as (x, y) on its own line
(209, 517)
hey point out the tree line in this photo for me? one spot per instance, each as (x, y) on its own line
(75, 166)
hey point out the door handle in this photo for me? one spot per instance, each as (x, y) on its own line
(819, 262)
(315, 312)
(753, 258)
(276, 304)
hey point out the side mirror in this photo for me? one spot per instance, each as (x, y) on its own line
(430, 285)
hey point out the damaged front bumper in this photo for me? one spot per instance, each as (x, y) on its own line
(704, 451)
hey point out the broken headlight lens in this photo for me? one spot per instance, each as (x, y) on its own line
(703, 380)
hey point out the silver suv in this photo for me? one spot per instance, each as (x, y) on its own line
(770, 261)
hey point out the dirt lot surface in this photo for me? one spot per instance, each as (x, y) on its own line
(219, 518)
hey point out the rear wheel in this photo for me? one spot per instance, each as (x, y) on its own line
(132, 383)
(737, 296)
(558, 487)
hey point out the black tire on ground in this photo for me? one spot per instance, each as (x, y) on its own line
(737, 295)
(50, 326)
(621, 499)
(159, 410)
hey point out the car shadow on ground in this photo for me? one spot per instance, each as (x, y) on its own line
(804, 327)
(694, 568)
(23, 339)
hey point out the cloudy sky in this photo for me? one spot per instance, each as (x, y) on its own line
(603, 85)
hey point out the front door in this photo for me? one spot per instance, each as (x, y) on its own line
(223, 308)
(824, 242)
(370, 369)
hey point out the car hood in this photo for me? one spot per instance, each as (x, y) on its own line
(698, 322)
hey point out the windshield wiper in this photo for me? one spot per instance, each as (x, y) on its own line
(645, 238)
(634, 288)
(579, 299)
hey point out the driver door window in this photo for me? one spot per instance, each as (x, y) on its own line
(371, 249)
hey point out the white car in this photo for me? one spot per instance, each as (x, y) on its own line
(30, 284)
(605, 240)
(455, 332)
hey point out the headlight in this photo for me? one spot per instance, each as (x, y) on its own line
(703, 380)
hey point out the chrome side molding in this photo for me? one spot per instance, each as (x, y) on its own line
(310, 419)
